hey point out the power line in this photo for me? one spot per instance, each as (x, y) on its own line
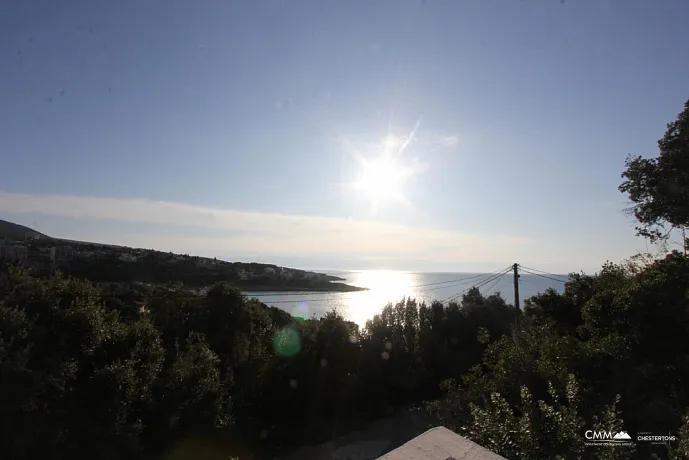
(496, 278)
(479, 285)
(494, 284)
(542, 276)
(541, 271)
(451, 281)
(463, 283)
(459, 281)
(492, 277)
(270, 302)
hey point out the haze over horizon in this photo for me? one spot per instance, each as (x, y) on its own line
(441, 136)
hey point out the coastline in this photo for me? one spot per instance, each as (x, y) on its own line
(334, 288)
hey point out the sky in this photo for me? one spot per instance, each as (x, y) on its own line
(251, 130)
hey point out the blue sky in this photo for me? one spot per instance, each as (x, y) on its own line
(230, 129)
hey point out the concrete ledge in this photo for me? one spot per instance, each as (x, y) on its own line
(439, 443)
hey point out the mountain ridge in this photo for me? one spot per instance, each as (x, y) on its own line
(101, 262)
(20, 232)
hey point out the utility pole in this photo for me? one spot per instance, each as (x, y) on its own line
(515, 270)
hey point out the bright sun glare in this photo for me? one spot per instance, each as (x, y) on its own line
(383, 170)
(382, 178)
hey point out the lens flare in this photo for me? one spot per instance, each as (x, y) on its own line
(287, 342)
(301, 311)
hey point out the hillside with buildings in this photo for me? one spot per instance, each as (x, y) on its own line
(120, 264)
(19, 232)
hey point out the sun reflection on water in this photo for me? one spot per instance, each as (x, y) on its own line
(388, 286)
(384, 286)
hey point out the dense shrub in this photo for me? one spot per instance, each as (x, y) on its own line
(79, 375)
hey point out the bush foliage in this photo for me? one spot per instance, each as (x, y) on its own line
(82, 372)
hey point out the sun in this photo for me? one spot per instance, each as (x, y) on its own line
(384, 168)
(382, 178)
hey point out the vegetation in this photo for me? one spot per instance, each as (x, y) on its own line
(81, 374)
(659, 187)
(610, 348)
(155, 267)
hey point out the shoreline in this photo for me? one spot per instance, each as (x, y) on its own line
(337, 289)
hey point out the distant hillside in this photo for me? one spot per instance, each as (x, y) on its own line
(90, 243)
(107, 263)
(19, 232)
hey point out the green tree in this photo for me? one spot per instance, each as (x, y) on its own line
(75, 377)
(659, 187)
(191, 394)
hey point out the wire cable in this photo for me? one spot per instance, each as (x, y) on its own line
(460, 282)
(464, 291)
(463, 283)
(270, 302)
(542, 272)
(495, 279)
(492, 277)
(450, 281)
(494, 285)
(543, 276)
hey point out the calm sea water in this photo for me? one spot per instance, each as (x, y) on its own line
(391, 286)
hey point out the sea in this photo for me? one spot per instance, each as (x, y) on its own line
(388, 286)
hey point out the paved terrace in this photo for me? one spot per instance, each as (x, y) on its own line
(440, 444)
(435, 444)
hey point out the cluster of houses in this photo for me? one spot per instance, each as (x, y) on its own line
(290, 273)
(32, 252)
(9, 251)
(16, 251)
(61, 253)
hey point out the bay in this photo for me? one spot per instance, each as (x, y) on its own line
(387, 286)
